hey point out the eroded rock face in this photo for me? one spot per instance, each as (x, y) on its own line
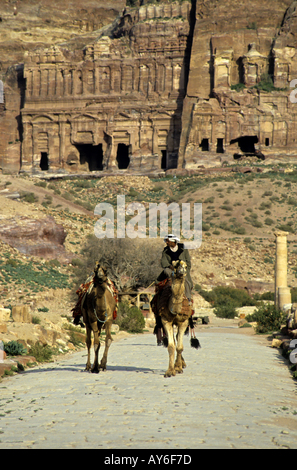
(166, 85)
(117, 103)
(239, 83)
(34, 237)
(29, 24)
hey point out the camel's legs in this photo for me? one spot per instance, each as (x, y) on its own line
(96, 332)
(171, 347)
(108, 341)
(88, 343)
(180, 363)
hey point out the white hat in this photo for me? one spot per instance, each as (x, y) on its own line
(171, 238)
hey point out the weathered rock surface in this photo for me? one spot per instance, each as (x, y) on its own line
(4, 314)
(34, 237)
(21, 314)
(232, 53)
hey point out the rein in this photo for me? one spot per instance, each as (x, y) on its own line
(105, 312)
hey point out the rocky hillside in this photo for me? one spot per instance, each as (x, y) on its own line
(240, 213)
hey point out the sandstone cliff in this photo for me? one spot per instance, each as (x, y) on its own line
(226, 110)
(168, 84)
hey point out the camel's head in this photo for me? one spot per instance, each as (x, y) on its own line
(180, 268)
(100, 273)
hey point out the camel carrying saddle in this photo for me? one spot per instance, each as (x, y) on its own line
(86, 288)
(162, 296)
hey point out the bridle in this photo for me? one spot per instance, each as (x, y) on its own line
(105, 311)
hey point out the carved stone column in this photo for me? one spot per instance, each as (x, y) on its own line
(28, 74)
(97, 78)
(62, 131)
(282, 294)
(52, 82)
(27, 150)
(59, 82)
(36, 83)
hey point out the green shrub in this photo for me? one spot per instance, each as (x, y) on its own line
(269, 221)
(292, 201)
(84, 184)
(238, 86)
(12, 262)
(266, 83)
(205, 227)
(133, 192)
(226, 300)
(209, 200)
(252, 25)
(251, 247)
(77, 262)
(87, 205)
(226, 207)
(226, 311)
(238, 230)
(41, 353)
(13, 348)
(69, 197)
(264, 205)
(130, 318)
(286, 228)
(268, 317)
(36, 320)
(55, 263)
(294, 293)
(256, 223)
(29, 197)
(264, 296)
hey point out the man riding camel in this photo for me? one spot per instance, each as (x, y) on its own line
(175, 251)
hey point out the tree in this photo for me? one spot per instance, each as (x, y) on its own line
(131, 263)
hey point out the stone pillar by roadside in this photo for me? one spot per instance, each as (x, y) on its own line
(282, 294)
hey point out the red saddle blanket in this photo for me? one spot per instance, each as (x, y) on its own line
(83, 289)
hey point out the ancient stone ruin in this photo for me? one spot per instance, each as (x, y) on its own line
(169, 85)
(282, 293)
(115, 104)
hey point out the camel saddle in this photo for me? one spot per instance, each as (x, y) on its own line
(86, 288)
(162, 296)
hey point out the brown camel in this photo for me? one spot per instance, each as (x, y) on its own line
(98, 308)
(175, 313)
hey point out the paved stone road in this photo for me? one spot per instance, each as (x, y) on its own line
(235, 393)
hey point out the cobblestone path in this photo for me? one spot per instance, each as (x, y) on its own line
(236, 392)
